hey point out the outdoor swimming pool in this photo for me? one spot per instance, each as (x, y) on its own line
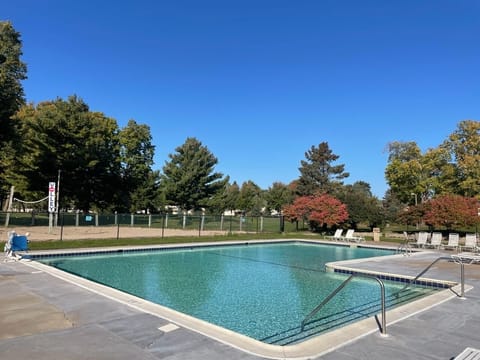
(263, 291)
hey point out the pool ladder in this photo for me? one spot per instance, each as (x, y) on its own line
(405, 247)
(383, 329)
(447, 258)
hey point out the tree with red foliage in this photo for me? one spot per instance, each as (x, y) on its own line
(321, 210)
(452, 210)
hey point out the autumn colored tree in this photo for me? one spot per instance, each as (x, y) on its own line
(319, 210)
(412, 215)
(452, 211)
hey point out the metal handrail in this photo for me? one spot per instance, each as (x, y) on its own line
(340, 287)
(406, 247)
(449, 258)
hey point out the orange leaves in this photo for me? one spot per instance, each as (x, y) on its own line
(322, 209)
(452, 210)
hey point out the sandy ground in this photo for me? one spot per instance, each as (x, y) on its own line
(42, 233)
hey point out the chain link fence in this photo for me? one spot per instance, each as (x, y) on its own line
(196, 224)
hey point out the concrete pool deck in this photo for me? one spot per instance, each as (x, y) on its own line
(44, 317)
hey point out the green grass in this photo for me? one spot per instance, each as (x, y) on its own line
(142, 241)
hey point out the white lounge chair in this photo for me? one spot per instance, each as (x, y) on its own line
(468, 354)
(350, 237)
(453, 239)
(470, 242)
(435, 241)
(466, 258)
(337, 236)
(422, 238)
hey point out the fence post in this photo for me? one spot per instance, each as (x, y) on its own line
(200, 225)
(77, 218)
(203, 222)
(149, 220)
(116, 217)
(132, 221)
(96, 219)
(166, 221)
(261, 223)
(61, 228)
(221, 222)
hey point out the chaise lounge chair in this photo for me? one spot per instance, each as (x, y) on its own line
(350, 237)
(435, 241)
(337, 236)
(453, 239)
(467, 258)
(422, 238)
(468, 354)
(470, 242)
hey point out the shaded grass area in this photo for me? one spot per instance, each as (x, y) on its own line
(140, 241)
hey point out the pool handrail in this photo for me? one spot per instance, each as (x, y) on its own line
(383, 329)
(448, 258)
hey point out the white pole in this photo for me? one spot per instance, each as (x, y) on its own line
(58, 198)
(9, 208)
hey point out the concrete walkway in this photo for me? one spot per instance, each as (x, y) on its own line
(43, 317)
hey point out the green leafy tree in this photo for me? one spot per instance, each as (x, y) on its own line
(226, 199)
(12, 72)
(404, 170)
(251, 201)
(317, 172)
(188, 179)
(362, 206)
(464, 146)
(279, 195)
(451, 168)
(65, 136)
(140, 182)
(391, 206)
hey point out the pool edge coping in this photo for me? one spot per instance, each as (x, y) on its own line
(314, 347)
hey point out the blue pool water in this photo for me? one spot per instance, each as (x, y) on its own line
(263, 291)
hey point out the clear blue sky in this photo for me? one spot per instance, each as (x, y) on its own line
(260, 82)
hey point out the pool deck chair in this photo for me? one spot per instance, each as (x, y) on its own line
(468, 354)
(470, 242)
(435, 241)
(422, 238)
(453, 239)
(466, 258)
(15, 243)
(350, 237)
(337, 236)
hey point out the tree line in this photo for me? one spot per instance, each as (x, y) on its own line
(104, 167)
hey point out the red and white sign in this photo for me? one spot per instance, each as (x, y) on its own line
(51, 197)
